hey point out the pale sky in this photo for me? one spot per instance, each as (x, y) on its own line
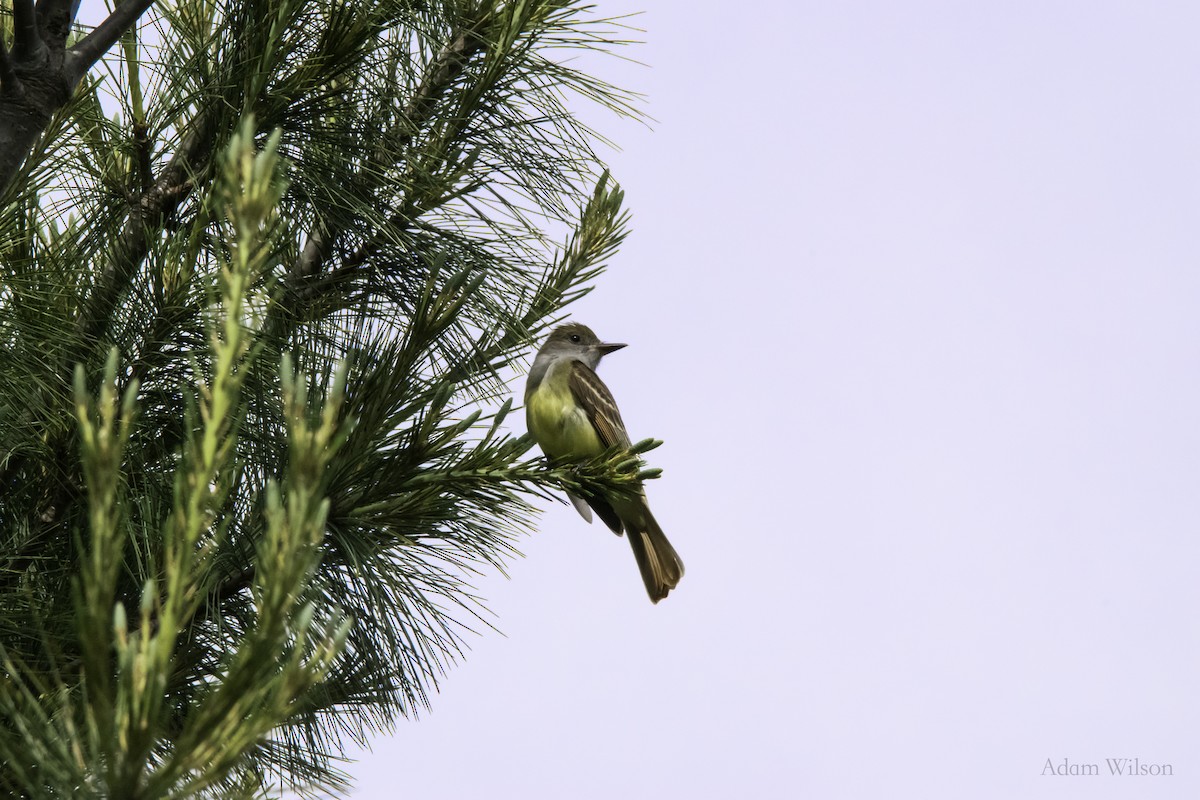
(913, 298)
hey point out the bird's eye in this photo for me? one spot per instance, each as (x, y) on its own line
(575, 338)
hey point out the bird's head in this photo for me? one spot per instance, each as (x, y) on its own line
(579, 342)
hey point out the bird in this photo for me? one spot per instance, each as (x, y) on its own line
(572, 416)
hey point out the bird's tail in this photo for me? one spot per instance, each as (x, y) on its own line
(660, 565)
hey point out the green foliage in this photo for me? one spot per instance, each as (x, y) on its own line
(253, 324)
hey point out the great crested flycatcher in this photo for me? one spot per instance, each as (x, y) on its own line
(572, 415)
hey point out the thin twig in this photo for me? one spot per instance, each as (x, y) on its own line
(145, 165)
(441, 73)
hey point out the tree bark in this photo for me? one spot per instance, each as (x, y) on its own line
(39, 72)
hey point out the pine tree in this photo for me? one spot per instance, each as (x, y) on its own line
(263, 271)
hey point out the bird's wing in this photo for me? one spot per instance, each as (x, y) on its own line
(597, 401)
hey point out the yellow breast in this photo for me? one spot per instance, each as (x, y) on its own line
(560, 426)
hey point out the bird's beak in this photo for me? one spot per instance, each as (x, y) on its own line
(606, 348)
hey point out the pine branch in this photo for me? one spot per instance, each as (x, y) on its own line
(431, 164)
(442, 72)
(128, 250)
(89, 49)
(150, 211)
